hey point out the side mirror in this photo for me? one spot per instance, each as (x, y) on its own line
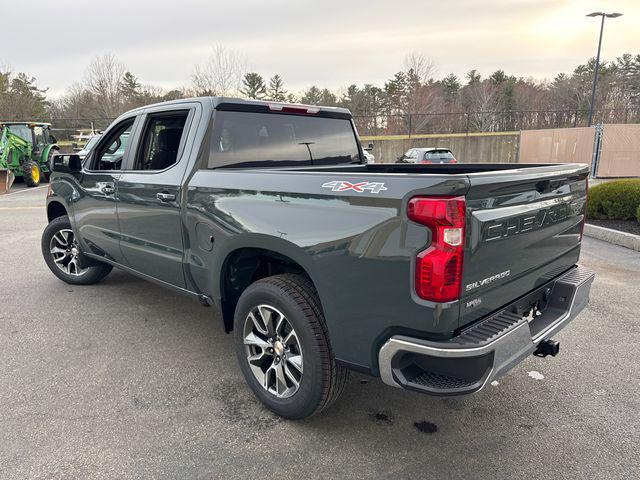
(369, 147)
(52, 139)
(67, 163)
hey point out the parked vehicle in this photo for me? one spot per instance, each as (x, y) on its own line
(89, 145)
(113, 155)
(26, 150)
(437, 278)
(427, 155)
(368, 156)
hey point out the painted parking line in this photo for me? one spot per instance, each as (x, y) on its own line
(24, 190)
(39, 207)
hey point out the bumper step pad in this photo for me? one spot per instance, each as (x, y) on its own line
(489, 348)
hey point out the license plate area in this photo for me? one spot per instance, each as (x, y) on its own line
(533, 305)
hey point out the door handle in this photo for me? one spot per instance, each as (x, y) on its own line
(166, 197)
(108, 190)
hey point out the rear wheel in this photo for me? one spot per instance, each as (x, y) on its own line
(31, 173)
(283, 347)
(63, 257)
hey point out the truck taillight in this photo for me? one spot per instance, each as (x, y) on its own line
(438, 274)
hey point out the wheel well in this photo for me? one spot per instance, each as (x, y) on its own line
(246, 266)
(55, 210)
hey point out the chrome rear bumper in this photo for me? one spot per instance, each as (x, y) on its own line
(487, 349)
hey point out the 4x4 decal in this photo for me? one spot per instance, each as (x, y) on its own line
(343, 186)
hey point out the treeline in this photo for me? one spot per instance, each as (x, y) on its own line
(108, 88)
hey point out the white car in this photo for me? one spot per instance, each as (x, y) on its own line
(88, 146)
(368, 156)
(428, 155)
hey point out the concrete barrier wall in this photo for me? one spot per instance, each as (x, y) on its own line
(467, 148)
(619, 149)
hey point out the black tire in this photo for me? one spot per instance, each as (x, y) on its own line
(89, 276)
(322, 380)
(31, 173)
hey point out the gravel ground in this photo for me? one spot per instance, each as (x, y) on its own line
(127, 380)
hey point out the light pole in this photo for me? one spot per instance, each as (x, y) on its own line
(595, 75)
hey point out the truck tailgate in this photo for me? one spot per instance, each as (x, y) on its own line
(524, 228)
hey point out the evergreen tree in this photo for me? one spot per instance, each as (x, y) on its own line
(20, 97)
(276, 91)
(451, 85)
(473, 77)
(130, 86)
(253, 86)
(312, 96)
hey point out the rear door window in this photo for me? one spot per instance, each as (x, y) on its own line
(161, 140)
(251, 139)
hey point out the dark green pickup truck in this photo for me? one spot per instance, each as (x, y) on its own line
(437, 278)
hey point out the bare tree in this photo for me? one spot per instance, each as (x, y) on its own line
(482, 103)
(221, 74)
(103, 79)
(422, 67)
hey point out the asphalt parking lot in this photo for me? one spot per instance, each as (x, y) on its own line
(126, 380)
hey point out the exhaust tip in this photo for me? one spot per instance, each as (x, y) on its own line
(547, 347)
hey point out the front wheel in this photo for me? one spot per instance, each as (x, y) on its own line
(31, 173)
(283, 347)
(62, 255)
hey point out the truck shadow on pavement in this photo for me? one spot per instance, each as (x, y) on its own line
(190, 330)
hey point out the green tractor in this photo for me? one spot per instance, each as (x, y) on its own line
(26, 150)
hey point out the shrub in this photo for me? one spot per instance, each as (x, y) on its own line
(638, 214)
(616, 200)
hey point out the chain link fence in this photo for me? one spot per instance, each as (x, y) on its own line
(470, 122)
(74, 132)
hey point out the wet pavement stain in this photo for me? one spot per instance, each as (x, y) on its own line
(426, 427)
(381, 418)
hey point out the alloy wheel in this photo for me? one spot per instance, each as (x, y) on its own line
(65, 251)
(273, 351)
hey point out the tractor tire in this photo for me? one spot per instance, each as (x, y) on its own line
(31, 173)
(61, 254)
(283, 347)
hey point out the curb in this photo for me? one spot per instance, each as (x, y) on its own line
(616, 237)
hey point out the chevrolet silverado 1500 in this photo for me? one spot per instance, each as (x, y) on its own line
(437, 278)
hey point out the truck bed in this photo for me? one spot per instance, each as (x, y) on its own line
(433, 169)
(362, 245)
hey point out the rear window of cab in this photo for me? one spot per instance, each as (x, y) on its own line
(252, 139)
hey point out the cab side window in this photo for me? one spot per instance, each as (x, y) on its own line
(41, 141)
(161, 140)
(110, 151)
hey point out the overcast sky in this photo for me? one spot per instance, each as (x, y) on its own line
(325, 42)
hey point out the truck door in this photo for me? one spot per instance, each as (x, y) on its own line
(94, 211)
(149, 195)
